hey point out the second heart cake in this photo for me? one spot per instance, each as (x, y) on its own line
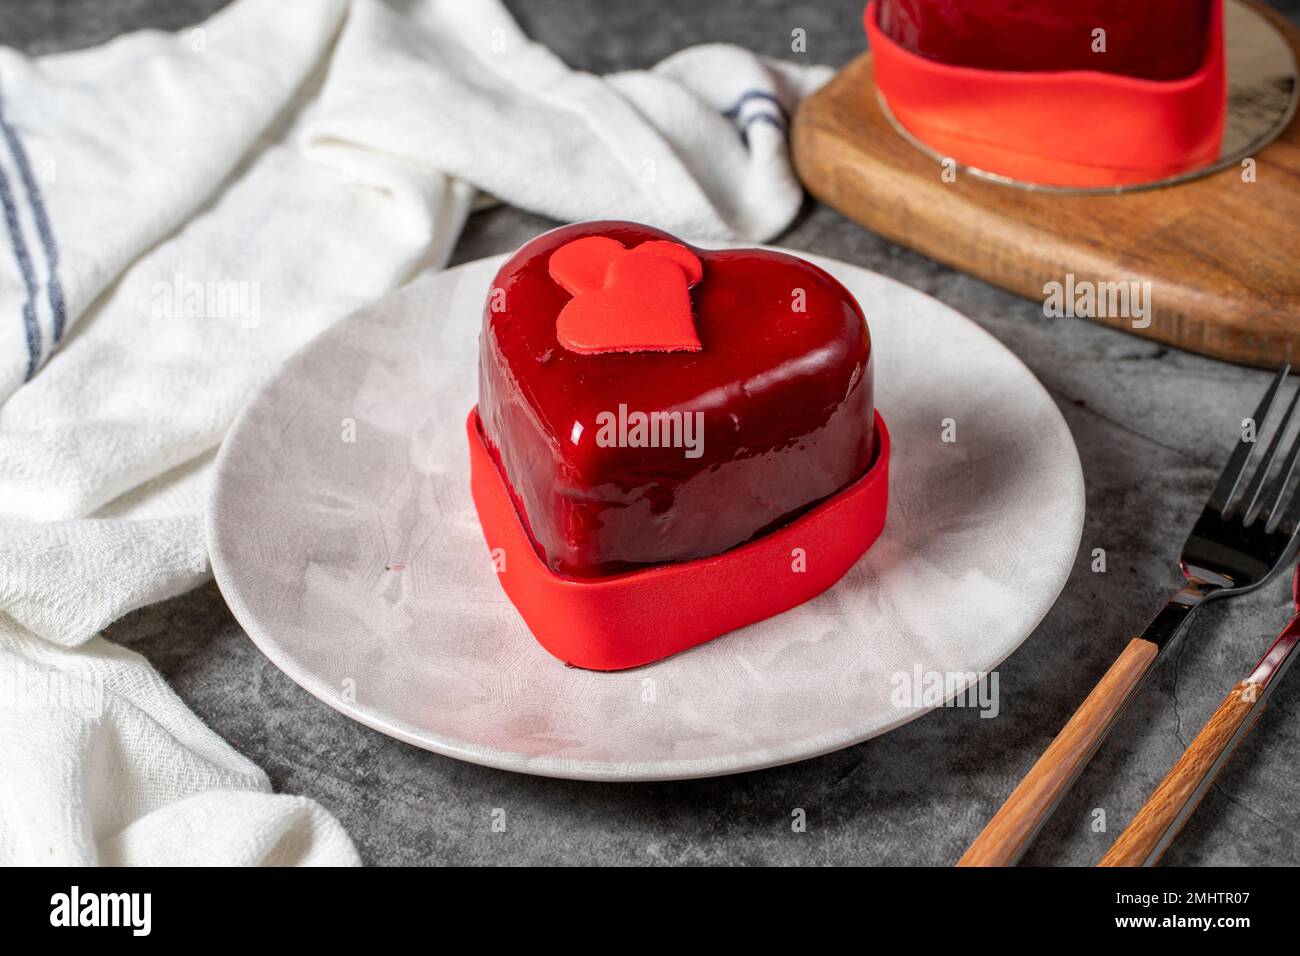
(648, 403)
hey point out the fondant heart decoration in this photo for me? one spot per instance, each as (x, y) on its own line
(645, 306)
(626, 300)
(580, 266)
(678, 253)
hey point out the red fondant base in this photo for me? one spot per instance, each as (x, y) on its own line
(625, 620)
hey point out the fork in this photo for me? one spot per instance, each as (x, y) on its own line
(1238, 541)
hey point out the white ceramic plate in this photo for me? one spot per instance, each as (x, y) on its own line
(358, 567)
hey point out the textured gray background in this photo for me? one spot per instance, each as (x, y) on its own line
(1152, 424)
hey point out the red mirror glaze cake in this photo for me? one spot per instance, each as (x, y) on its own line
(639, 455)
(1075, 94)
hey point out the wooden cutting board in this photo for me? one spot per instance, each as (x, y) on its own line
(1222, 255)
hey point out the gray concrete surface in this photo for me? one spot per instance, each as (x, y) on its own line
(1152, 425)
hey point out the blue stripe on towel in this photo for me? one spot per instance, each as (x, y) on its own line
(748, 95)
(760, 118)
(24, 261)
(54, 289)
(765, 116)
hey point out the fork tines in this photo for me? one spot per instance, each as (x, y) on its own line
(1259, 497)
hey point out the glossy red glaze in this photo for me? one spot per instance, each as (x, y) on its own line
(785, 398)
(1153, 39)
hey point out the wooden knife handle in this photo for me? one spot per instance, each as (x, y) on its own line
(1179, 790)
(1012, 828)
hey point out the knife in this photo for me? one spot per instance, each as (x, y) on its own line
(1172, 804)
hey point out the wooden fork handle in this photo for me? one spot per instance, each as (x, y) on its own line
(1012, 828)
(1147, 837)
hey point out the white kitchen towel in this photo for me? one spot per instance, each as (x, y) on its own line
(178, 214)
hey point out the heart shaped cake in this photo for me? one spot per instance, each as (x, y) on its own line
(1082, 94)
(657, 417)
(769, 413)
